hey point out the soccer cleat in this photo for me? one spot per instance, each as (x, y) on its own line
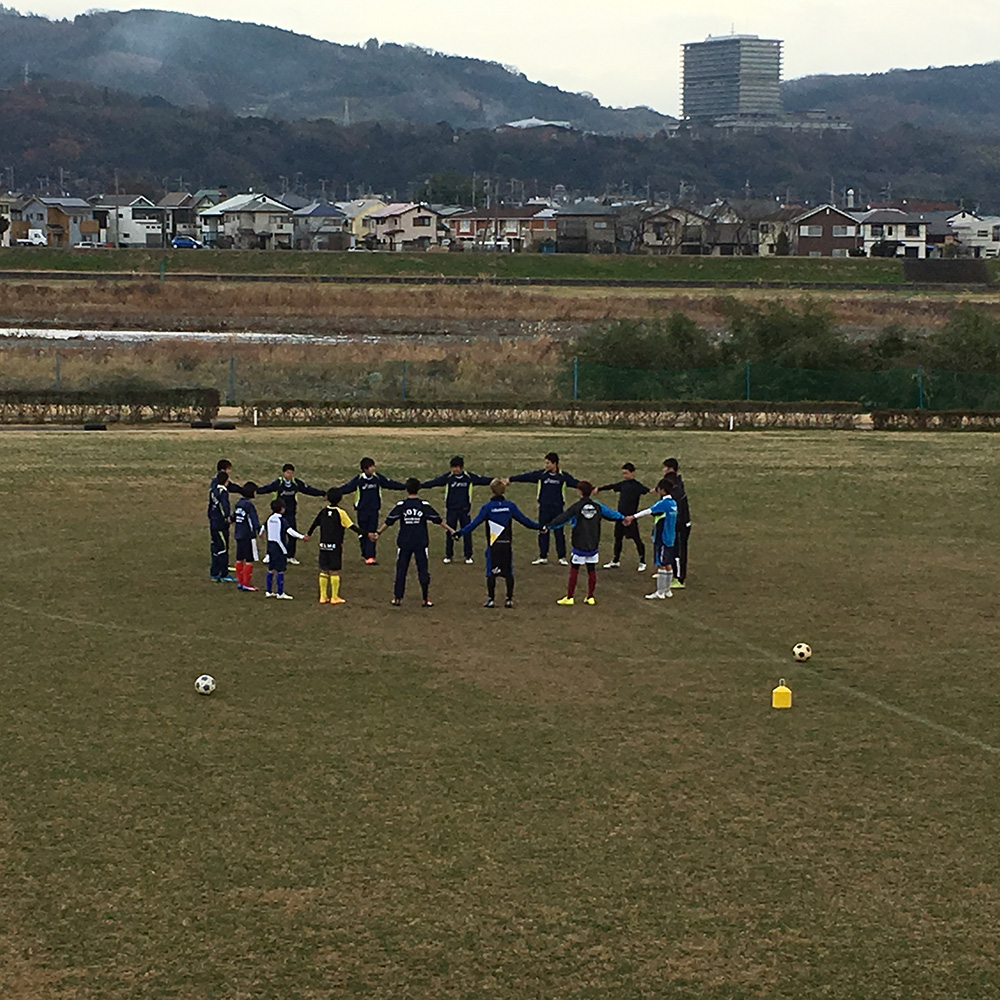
(324, 600)
(270, 594)
(539, 561)
(612, 565)
(294, 561)
(563, 562)
(446, 561)
(227, 579)
(370, 561)
(285, 597)
(642, 568)
(589, 600)
(566, 600)
(677, 584)
(338, 600)
(468, 562)
(490, 603)
(396, 601)
(657, 596)
(428, 603)
(508, 603)
(249, 588)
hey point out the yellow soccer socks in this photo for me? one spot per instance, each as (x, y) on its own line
(335, 597)
(324, 584)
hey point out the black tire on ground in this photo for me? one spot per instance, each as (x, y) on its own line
(225, 427)
(201, 425)
(95, 427)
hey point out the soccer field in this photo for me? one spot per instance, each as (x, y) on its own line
(544, 802)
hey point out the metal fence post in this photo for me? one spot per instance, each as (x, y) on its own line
(920, 387)
(746, 375)
(404, 378)
(163, 269)
(576, 377)
(232, 380)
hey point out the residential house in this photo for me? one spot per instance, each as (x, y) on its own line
(774, 231)
(979, 235)
(65, 221)
(891, 232)
(674, 230)
(179, 217)
(319, 226)
(504, 227)
(586, 227)
(824, 231)
(128, 220)
(406, 226)
(357, 211)
(247, 222)
(731, 231)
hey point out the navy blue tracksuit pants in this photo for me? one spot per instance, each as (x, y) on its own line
(367, 521)
(403, 565)
(546, 514)
(219, 535)
(457, 519)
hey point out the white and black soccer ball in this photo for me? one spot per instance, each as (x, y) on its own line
(801, 651)
(205, 684)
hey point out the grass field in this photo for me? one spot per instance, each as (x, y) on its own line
(587, 802)
(596, 267)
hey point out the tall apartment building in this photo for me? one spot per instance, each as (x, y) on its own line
(732, 75)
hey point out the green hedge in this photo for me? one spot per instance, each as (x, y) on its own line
(126, 406)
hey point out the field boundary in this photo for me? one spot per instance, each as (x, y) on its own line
(499, 280)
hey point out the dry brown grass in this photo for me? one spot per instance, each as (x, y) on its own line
(329, 308)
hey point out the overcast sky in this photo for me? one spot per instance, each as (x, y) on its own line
(631, 55)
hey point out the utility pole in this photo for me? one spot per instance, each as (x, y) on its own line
(322, 187)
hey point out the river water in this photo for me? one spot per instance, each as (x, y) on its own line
(149, 336)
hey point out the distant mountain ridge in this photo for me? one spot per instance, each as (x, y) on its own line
(257, 70)
(959, 99)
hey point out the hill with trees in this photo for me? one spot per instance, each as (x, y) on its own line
(250, 69)
(951, 98)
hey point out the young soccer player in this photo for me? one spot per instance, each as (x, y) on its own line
(287, 487)
(629, 489)
(585, 518)
(367, 488)
(247, 528)
(499, 515)
(552, 483)
(457, 502)
(332, 521)
(670, 468)
(278, 529)
(219, 517)
(224, 465)
(412, 515)
(664, 514)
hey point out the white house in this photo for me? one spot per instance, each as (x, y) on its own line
(891, 229)
(128, 220)
(979, 235)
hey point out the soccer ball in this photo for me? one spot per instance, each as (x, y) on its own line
(205, 684)
(801, 651)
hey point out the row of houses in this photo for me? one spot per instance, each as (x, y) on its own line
(260, 221)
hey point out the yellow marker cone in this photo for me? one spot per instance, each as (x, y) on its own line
(781, 696)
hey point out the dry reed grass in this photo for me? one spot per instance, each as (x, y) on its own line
(319, 308)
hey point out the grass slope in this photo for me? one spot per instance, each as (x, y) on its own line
(545, 802)
(595, 267)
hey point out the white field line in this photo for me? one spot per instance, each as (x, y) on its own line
(870, 699)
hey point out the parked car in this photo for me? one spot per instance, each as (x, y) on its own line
(87, 245)
(185, 243)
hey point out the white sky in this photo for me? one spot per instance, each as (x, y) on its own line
(631, 55)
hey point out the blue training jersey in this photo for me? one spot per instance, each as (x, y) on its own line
(664, 513)
(551, 486)
(499, 515)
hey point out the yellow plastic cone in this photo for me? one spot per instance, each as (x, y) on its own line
(781, 696)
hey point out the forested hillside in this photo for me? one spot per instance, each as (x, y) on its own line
(89, 135)
(952, 98)
(257, 70)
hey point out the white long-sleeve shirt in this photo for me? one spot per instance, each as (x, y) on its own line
(275, 526)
